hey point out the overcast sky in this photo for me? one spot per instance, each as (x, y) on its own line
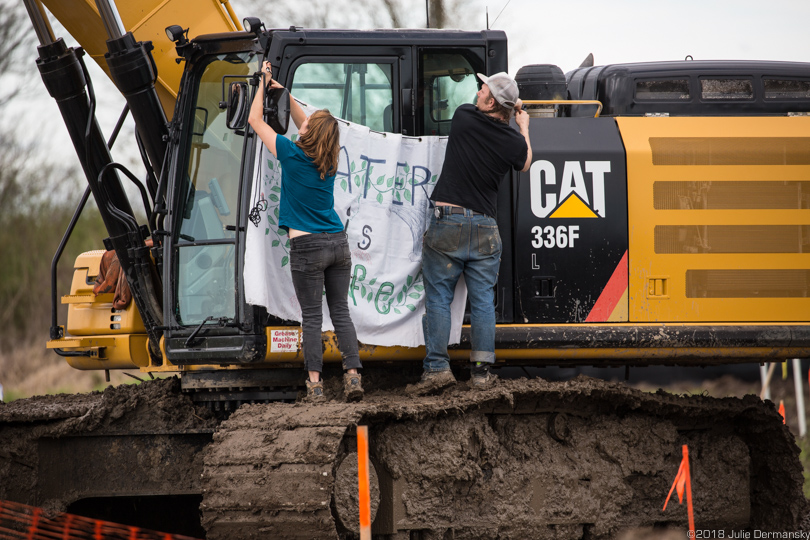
(564, 33)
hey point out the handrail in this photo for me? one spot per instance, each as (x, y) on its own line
(566, 102)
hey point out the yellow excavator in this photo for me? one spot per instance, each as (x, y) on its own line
(663, 221)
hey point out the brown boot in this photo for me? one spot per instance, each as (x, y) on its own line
(432, 382)
(352, 387)
(315, 392)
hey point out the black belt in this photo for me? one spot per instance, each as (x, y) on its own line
(450, 210)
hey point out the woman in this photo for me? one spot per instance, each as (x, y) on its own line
(319, 252)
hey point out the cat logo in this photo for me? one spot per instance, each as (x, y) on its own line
(570, 199)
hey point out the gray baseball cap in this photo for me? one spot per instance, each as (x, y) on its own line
(502, 87)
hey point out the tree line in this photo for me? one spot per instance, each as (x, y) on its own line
(37, 198)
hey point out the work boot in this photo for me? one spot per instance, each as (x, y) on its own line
(315, 392)
(480, 375)
(432, 382)
(352, 388)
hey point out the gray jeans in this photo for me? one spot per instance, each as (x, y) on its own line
(323, 261)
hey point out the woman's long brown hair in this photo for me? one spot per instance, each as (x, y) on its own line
(321, 142)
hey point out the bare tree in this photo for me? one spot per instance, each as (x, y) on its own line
(36, 195)
(16, 39)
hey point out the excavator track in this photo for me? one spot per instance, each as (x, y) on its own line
(524, 459)
(270, 471)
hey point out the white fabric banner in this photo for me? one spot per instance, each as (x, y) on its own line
(382, 187)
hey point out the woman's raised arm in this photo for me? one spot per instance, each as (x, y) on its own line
(256, 116)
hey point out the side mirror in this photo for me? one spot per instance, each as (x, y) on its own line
(277, 109)
(238, 106)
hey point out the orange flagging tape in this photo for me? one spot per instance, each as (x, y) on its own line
(782, 411)
(23, 522)
(683, 482)
(362, 482)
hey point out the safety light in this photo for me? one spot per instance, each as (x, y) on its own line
(254, 25)
(176, 34)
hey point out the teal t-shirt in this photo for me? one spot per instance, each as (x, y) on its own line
(307, 202)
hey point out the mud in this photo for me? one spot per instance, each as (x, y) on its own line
(524, 459)
(30, 427)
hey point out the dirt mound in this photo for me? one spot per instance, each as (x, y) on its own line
(151, 407)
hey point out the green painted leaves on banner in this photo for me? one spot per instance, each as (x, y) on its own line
(381, 294)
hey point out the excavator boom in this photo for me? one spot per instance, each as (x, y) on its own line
(147, 20)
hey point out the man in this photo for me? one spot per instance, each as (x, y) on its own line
(463, 235)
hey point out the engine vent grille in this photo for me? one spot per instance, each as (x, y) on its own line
(747, 283)
(730, 150)
(731, 195)
(731, 239)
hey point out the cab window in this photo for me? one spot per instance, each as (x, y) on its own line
(360, 92)
(447, 79)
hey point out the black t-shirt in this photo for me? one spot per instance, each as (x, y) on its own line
(479, 153)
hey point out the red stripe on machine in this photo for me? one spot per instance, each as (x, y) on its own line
(611, 294)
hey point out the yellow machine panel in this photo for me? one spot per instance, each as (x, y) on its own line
(93, 315)
(718, 218)
(107, 352)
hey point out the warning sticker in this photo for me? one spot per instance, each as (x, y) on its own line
(283, 341)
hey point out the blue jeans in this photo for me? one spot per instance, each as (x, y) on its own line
(454, 245)
(317, 262)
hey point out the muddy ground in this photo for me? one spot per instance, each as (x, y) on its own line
(525, 459)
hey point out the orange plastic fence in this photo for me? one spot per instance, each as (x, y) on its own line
(20, 521)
